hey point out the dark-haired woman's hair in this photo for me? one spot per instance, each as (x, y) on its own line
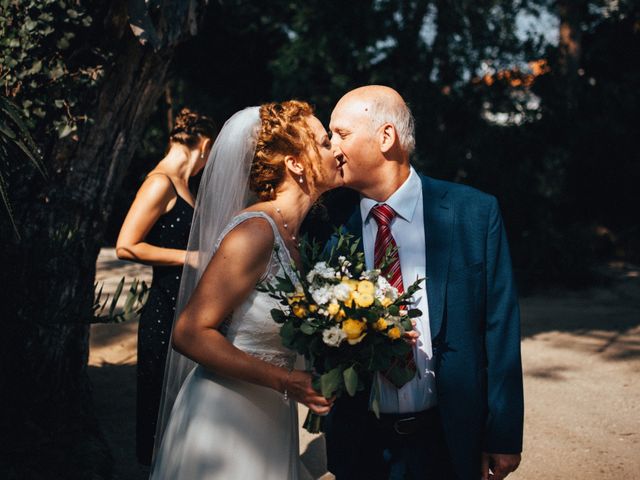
(190, 127)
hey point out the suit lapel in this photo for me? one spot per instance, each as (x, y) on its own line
(354, 226)
(438, 226)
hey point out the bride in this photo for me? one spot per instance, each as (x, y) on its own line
(229, 400)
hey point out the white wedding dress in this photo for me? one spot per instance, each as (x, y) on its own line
(229, 429)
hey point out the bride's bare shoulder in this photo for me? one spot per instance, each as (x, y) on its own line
(251, 239)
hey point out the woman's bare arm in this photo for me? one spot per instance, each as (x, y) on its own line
(228, 280)
(152, 200)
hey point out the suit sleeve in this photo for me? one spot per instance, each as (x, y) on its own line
(504, 425)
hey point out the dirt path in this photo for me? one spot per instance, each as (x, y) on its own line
(581, 358)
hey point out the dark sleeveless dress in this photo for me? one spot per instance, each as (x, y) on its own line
(170, 231)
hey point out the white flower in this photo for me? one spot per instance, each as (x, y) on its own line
(344, 265)
(341, 292)
(333, 336)
(321, 269)
(321, 295)
(371, 275)
(385, 290)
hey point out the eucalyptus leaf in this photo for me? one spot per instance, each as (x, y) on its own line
(287, 332)
(278, 315)
(330, 381)
(350, 380)
(307, 329)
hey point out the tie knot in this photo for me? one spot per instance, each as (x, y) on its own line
(383, 214)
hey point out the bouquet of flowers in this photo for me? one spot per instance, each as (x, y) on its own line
(348, 322)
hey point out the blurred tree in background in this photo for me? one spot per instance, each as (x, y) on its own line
(530, 100)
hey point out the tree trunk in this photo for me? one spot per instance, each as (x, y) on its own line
(49, 429)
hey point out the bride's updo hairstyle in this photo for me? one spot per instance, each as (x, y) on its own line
(191, 127)
(284, 131)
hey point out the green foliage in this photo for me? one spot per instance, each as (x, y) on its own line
(16, 145)
(44, 64)
(136, 298)
(556, 150)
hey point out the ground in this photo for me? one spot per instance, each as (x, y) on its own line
(581, 358)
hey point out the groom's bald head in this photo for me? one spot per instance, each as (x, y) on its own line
(373, 137)
(380, 104)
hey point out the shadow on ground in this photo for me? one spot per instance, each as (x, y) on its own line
(603, 321)
(114, 395)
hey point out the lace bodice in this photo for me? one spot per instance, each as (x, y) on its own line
(251, 328)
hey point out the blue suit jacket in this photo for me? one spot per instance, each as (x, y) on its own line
(475, 322)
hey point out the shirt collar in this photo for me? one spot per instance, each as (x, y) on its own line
(403, 200)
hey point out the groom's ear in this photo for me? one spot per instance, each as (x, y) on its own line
(387, 137)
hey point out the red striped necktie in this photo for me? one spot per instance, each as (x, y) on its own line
(383, 214)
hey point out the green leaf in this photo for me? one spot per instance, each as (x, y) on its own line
(65, 130)
(400, 348)
(375, 401)
(7, 132)
(287, 332)
(414, 312)
(307, 329)
(63, 43)
(30, 24)
(116, 296)
(278, 315)
(399, 376)
(351, 380)
(330, 381)
(406, 324)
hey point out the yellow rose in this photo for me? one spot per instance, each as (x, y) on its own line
(394, 333)
(333, 309)
(364, 300)
(353, 284)
(299, 311)
(295, 297)
(354, 329)
(380, 324)
(313, 308)
(341, 314)
(385, 302)
(365, 286)
(349, 301)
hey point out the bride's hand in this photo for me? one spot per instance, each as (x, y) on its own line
(298, 387)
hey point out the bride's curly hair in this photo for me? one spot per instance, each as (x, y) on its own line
(190, 127)
(283, 131)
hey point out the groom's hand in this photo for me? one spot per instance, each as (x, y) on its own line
(501, 465)
(411, 337)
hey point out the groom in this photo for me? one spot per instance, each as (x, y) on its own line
(462, 413)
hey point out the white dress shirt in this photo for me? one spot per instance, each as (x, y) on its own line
(408, 231)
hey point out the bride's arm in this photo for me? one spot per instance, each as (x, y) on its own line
(230, 277)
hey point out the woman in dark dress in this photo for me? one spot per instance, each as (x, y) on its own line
(155, 232)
